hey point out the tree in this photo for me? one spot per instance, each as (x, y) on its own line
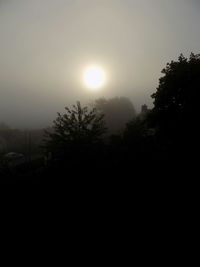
(176, 102)
(77, 129)
(118, 111)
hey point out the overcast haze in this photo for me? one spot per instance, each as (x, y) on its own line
(45, 45)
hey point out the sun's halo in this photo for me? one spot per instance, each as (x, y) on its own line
(94, 77)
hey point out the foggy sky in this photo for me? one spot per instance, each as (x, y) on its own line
(45, 45)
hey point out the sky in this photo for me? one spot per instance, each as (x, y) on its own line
(45, 45)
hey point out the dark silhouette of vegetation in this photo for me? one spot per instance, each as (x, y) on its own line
(176, 105)
(118, 111)
(177, 97)
(77, 130)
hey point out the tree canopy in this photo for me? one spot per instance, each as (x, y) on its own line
(78, 127)
(176, 101)
(118, 111)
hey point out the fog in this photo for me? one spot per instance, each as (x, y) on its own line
(45, 45)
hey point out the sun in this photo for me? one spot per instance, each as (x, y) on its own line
(94, 77)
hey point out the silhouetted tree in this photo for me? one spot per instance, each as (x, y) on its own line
(118, 111)
(135, 131)
(176, 102)
(139, 137)
(77, 129)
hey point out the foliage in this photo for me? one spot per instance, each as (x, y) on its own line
(176, 101)
(176, 107)
(118, 111)
(135, 130)
(79, 127)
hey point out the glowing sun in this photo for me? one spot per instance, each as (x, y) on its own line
(94, 77)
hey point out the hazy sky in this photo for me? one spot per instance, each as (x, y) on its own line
(46, 44)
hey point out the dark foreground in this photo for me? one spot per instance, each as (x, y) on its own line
(107, 168)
